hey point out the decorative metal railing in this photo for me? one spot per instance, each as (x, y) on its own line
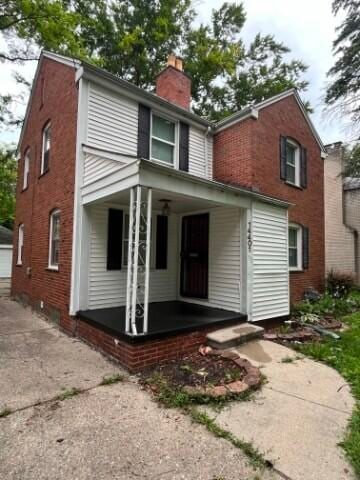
(137, 293)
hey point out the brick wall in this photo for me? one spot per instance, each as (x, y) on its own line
(54, 99)
(248, 154)
(339, 239)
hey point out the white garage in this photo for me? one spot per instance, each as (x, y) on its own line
(6, 251)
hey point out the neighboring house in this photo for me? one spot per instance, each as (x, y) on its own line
(141, 226)
(342, 215)
(6, 253)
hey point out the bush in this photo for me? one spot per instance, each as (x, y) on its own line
(339, 284)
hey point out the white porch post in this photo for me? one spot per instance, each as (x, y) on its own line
(137, 294)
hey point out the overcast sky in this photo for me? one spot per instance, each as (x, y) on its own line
(308, 28)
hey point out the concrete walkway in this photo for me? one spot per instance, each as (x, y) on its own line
(107, 432)
(298, 417)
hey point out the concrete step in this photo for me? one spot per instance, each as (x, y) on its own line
(232, 336)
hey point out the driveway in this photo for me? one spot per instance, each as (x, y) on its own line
(104, 432)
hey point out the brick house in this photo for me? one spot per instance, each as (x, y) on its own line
(140, 226)
(342, 215)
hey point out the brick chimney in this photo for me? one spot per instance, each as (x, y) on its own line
(173, 84)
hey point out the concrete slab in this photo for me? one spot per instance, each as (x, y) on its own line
(299, 416)
(38, 361)
(236, 335)
(111, 432)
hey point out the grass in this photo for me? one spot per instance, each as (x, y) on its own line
(116, 378)
(68, 393)
(171, 397)
(344, 356)
(5, 412)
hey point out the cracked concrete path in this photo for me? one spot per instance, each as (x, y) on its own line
(299, 416)
(108, 432)
(37, 361)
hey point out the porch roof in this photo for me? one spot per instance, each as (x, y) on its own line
(148, 173)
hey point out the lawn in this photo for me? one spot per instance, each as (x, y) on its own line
(344, 356)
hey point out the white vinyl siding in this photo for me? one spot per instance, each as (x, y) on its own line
(200, 147)
(112, 121)
(96, 167)
(107, 288)
(270, 282)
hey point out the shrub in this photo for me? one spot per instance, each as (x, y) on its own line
(339, 284)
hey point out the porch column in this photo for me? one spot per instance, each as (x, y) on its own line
(137, 289)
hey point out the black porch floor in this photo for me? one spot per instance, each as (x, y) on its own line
(164, 319)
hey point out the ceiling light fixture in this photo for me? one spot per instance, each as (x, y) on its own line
(166, 207)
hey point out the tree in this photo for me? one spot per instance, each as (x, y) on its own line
(352, 161)
(343, 93)
(132, 38)
(8, 173)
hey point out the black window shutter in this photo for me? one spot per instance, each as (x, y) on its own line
(143, 149)
(184, 147)
(303, 167)
(114, 242)
(282, 157)
(161, 242)
(305, 248)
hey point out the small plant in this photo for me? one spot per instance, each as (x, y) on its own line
(5, 412)
(68, 393)
(310, 318)
(116, 378)
(287, 360)
(339, 284)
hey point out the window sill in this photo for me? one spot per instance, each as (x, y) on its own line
(290, 184)
(52, 269)
(296, 270)
(44, 173)
(160, 162)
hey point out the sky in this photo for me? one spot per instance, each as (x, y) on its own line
(307, 28)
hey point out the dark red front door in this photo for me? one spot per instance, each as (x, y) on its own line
(195, 256)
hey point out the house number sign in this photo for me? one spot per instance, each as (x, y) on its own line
(249, 236)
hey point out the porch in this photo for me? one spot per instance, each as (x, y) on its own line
(165, 319)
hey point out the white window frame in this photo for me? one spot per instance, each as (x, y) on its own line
(26, 169)
(20, 244)
(299, 247)
(45, 130)
(295, 146)
(53, 266)
(175, 162)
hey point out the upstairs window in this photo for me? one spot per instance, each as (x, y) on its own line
(163, 140)
(20, 244)
(46, 143)
(26, 169)
(54, 240)
(292, 163)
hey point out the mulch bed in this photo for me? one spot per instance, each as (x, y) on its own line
(198, 370)
(211, 373)
(296, 332)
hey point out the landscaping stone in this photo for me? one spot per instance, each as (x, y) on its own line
(237, 387)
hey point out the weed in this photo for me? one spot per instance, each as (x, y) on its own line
(257, 460)
(116, 378)
(5, 412)
(287, 360)
(68, 393)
